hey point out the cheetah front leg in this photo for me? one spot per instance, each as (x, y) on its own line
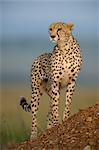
(49, 115)
(49, 118)
(53, 114)
(69, 93)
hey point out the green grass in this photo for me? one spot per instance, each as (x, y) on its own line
(15, 124)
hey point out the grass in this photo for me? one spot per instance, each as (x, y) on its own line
(15, 124)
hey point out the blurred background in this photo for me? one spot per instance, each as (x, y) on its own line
(24, 36)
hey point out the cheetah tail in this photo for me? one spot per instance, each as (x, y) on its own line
(26, 107)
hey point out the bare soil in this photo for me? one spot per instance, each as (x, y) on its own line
(79, 132)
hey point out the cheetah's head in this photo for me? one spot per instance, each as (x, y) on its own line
(59, 31)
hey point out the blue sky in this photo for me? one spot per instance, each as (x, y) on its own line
(25, 33)
(34, 17)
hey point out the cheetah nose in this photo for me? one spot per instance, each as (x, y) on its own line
(53, 36)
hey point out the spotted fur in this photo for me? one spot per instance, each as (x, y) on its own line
(51, 72)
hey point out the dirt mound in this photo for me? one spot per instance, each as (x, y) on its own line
(79, 132)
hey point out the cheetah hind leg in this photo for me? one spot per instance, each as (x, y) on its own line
(36, 95)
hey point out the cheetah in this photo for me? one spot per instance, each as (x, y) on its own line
(51, 72)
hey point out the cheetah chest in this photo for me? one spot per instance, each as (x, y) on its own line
(65, 77)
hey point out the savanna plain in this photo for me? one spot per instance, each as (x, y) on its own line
(15, 124)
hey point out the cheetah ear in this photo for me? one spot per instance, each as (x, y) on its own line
(70, 26)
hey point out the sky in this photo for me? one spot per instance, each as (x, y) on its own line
(25, 35)
(30, 17)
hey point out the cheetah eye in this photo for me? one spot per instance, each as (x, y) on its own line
(59, 29)
(50, 29)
